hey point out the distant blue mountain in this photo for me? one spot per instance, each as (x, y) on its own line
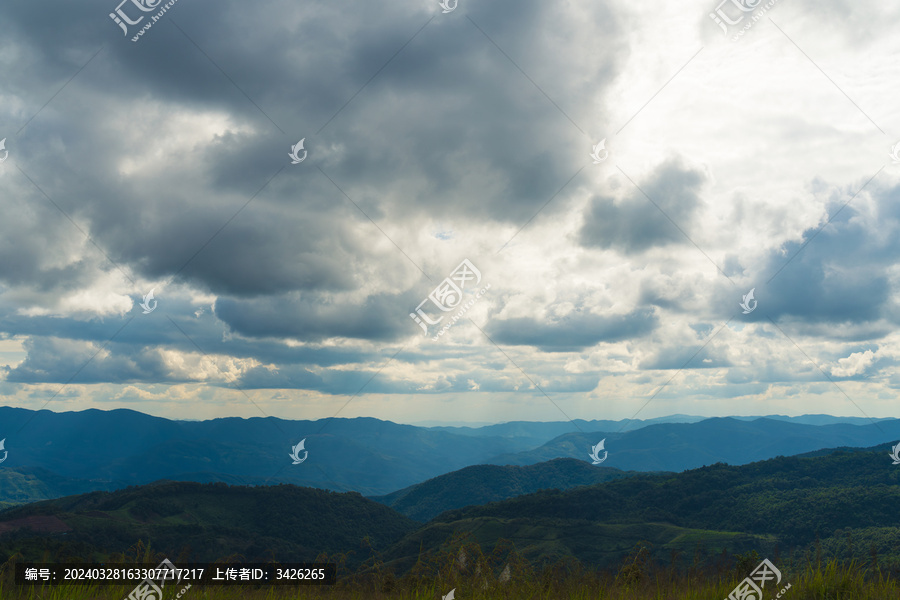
(124, 446)
(681, 446)
(537, 432)
(77, 452)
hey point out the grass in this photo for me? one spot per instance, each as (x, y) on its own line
(476, 576)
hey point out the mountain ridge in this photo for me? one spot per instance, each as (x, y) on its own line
(75, 452)
(784, 504)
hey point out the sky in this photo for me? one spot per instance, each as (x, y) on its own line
(584, 192)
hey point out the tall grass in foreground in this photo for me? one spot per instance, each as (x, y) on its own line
(475, 576)
(831, 582)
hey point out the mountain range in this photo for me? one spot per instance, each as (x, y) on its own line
(54, 454)
(841, 503)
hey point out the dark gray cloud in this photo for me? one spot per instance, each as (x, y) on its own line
(312, 318)
(438, 133)
(838, 276)
(68, 361)
(572, 332)
(634, 224)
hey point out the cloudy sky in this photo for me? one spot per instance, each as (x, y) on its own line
(602, 289)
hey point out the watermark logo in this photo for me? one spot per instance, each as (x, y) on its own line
(6, 453)
(449, 596)
(448, 295)
(745, 6)
(6, 152)
(123, 20)
(120, 18)
(148, 588)
(449, 8)
(146, 303)
(595, 152)
(721, 18)
(595, 452)
(296, 159)
(748, 298)
(751, 588)
(895, 453)
(895, 152)
(295, 452)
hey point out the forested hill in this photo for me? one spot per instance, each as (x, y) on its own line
(793, 497)
(848, 500)
(481, 484)
(209, 521)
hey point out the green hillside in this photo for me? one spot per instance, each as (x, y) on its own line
(845, 502)
(545, 542)
(843, 505)
(206, 521)
(482, 484)
(22, 485)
